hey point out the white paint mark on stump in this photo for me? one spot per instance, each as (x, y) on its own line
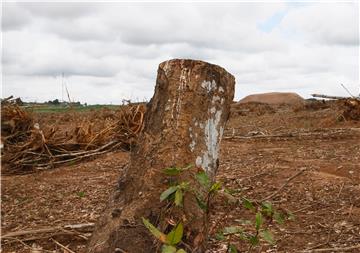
(212, 130)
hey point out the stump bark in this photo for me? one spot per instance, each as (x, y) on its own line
(184, 123)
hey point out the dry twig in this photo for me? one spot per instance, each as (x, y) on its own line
(27, 146)
(62, 246)
(287, 181)
(66, 229)
(333, 249)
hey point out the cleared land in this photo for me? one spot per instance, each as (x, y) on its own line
(264, 147)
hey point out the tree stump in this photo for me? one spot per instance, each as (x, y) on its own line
(184, 123)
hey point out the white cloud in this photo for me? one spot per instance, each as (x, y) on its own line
(325, 23)
(58, 10)
(13, 17)
(50, 57)
(110, 51)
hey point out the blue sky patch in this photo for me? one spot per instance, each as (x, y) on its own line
(269, 24)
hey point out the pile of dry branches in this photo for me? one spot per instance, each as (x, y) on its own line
(350, 106)
(15, 122)
(351, 109)
(28, 146)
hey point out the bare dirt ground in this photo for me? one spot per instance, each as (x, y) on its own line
(263, 148)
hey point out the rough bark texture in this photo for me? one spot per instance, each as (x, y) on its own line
(184, 123)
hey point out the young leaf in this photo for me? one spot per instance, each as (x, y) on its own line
(168, 249)
(248, 204)
(181, 251)
(279, 217)
(267, 208)
(201, 203)
(81, 194)
(184, 185)
(175, 235)
(258, 221)
(242, 236)
(219, 236)
(232, 230)
(165, 194)
(153, 230)
(172, 171)
(254, 240)
(232, 249)
(267, 236)
(203, 179)
(178, 197)
(267, 205)
(215, 187)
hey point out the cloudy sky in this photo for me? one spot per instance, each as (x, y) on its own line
(110, 51)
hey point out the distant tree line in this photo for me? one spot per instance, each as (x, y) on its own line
(57, 102)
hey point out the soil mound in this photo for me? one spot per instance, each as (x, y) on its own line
(274, 98)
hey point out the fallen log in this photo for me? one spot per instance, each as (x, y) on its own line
(314, 133)
(331, 97)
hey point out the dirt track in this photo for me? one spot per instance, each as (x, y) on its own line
(258, 154)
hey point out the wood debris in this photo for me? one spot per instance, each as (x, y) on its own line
(26, 145)
(350, 106)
